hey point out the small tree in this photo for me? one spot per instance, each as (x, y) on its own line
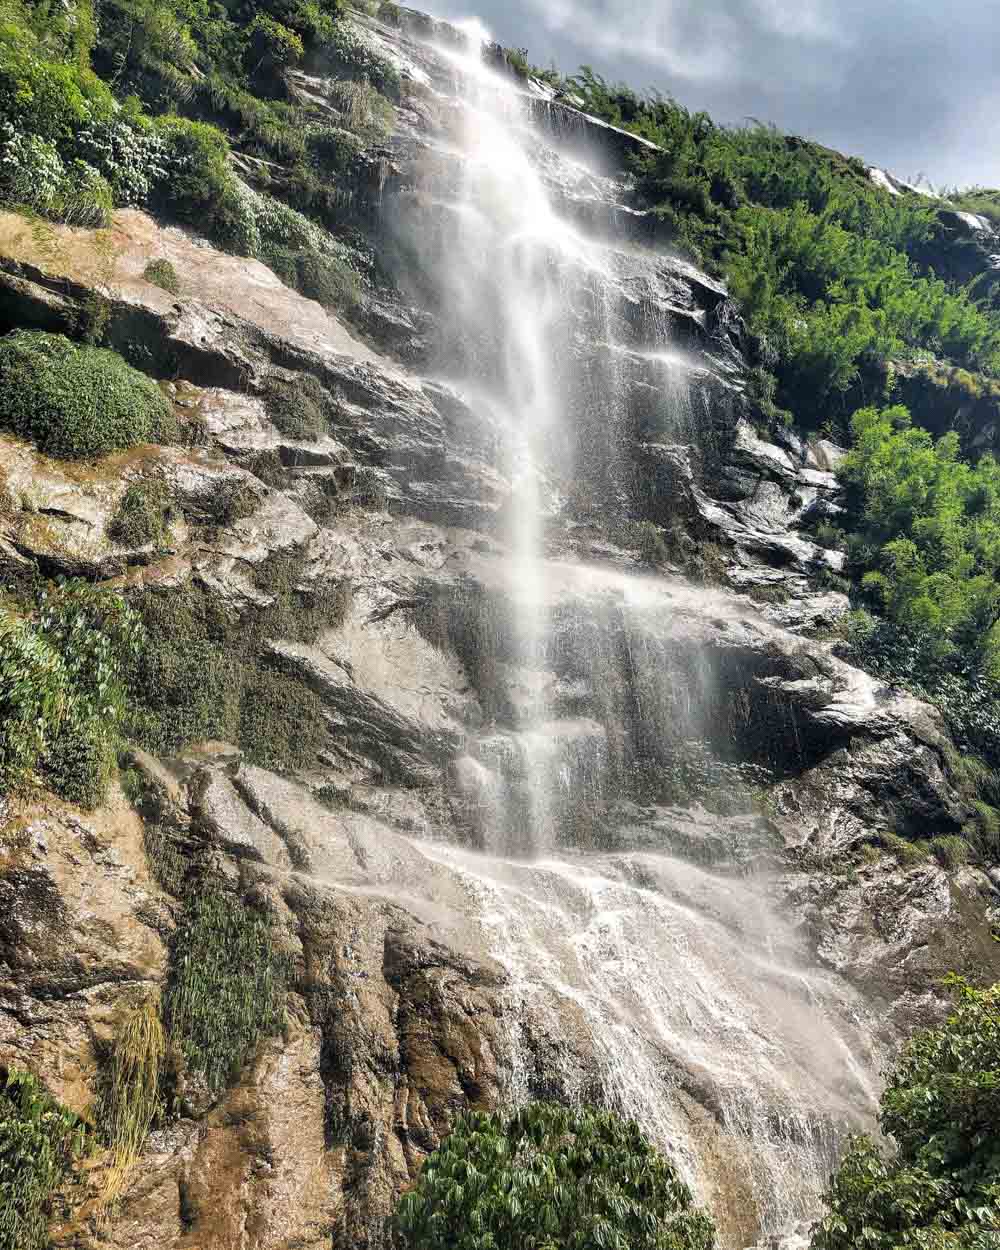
(941, 1190)
(550, 1178)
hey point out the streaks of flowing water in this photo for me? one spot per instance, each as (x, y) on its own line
(652, 976)
(656, 985)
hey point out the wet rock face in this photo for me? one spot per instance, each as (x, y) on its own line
(456, 939)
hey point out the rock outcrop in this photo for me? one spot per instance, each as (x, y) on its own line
(710, 767)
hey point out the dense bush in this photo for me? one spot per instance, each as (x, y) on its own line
(823, 261)
(75, 401)
(926, 531)
(941, 1107)
(199, 179)
(353, 55)
(161, 273)
(227, 984)
(63, 655)
(39, 1141)
(553, 1177)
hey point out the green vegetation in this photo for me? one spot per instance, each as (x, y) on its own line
(161, 273)
(824, 263)
(299, 408)
(130, 1099)
(76, 401)
(551, 1177)
(64, 650)
(142, 516)
(39, 1142)
(926, 545)
(204, 673)
(941, 1107)
(149, 115)
(227, 984)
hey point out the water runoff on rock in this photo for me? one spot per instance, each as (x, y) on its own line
(671, 991)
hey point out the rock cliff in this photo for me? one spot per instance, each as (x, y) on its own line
(689, 930)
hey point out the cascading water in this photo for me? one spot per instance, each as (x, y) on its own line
(672, 992)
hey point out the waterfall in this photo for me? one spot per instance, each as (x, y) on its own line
(668, 990)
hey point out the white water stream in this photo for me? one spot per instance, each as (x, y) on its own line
(675, 994)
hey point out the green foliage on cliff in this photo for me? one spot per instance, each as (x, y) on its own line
(941, 1107)
(204, 672)
(63, 652)
(927, 539)
(826, 265)
(74, 401)
(550, 1177)
(39, 1141)
(129, 1099)
(142, 516)
(227, 984)
(149, 113)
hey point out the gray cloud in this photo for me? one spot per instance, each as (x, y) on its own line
(909, 84)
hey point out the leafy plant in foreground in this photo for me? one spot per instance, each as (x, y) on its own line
(941, 1106)
(554, 1178)
(39, 1140)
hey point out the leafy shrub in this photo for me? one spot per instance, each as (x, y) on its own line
(47, 98)
(332, 149)
(271, 45)
(199, 178)
(75, 402)
(941, 1106)
(142, 515)
(161, 273)
(227, 984)
(927, 543)
(129, 1098)
(62, 698)
(330, 280)
(32, 173)
(550, 1176)
(129, 152)
(34, 694)
(39, 1142)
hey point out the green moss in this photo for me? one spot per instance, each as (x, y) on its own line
(205, 675)
(298, 408)
(282, 724)
(80, 762)
(161, 273)
(39, 1142)
(227, 984)
(75, 402)
(142, 516)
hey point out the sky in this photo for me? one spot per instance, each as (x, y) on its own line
(910, 85)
